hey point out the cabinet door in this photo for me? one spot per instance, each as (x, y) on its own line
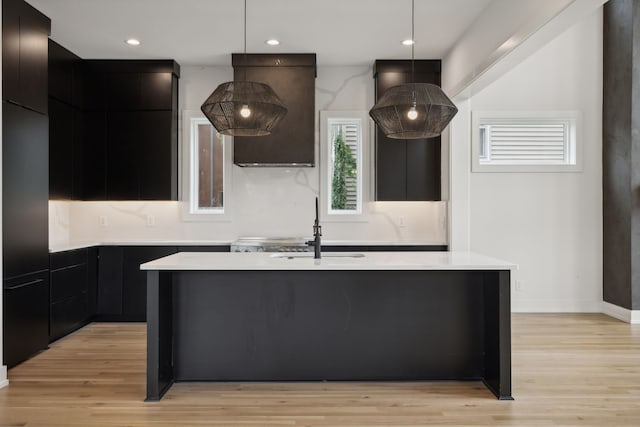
(26, 317)
(406, 169)
(10, 50)
(25, 183)
(92, 281)
(93, 185)
(135, 280)
(66, 316)
(123, 92)
(110, 281)
(61, 142)
(61, 63)
(157, 155)
(123, 130)
(156, 91)
(34, 59)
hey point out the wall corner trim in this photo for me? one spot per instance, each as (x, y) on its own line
(621, 313)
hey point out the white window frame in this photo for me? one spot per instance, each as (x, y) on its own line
(327, 119)
(190, 211)
(573, 120)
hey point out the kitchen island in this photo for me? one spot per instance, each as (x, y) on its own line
(346, 317)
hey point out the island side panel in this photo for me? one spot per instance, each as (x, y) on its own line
(159, 334)
(328, 325)
(497, 301)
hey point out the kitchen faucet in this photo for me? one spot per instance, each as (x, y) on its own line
(317, 232)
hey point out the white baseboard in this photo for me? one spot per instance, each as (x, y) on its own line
(621, 313)
(3, 376)
(519, 305)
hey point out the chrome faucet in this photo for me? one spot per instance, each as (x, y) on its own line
(317, 232)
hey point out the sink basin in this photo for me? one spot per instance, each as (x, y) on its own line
(292, 255)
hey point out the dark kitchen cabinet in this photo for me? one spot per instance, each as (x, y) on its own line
(71, 282)
(122, 141)
(140, 91)
(122, 286)
(292, 77)
(25, 183)
(25, 33)
(66, 151)
(94, 154)
(130, 134)
(25, 317)
(406, 169)
(140, 155)
(66, 82)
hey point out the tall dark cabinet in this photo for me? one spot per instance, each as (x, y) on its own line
(293, 78)
(406, 169)
(25, 181)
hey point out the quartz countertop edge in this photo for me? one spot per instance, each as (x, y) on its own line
(203, 261)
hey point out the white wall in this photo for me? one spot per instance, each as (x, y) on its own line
(548, 223)
(265, 201)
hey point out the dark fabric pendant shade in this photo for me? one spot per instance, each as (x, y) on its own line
(431, 111)
(242, 108)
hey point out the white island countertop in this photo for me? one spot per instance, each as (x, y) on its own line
(185, 261)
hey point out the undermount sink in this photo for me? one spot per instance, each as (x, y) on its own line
(292, 255)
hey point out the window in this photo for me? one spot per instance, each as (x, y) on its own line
(525, 142)
(205, 169)
(344, 154)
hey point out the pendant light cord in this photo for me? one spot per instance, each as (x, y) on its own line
(413, 38)
(245, 40)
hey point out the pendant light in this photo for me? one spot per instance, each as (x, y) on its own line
(244, 108)
(413, 110)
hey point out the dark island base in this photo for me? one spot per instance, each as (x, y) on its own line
(328, 325)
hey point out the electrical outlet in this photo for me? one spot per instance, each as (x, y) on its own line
(151, 221)
(104, 221)
(519, 286)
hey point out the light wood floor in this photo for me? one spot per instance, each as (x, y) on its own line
(568, 369)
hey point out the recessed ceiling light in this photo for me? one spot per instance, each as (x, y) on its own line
(408, 42)
(133, 42)
(272, 42)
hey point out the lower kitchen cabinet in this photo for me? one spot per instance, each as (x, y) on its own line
(25, 316)
(122, 286)
(72, 289)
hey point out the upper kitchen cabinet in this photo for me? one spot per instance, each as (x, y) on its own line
(65, 75)
(25, 33)
(406, 169)
(292, 77)
(65, 124)
(134, 104)
(122, 141)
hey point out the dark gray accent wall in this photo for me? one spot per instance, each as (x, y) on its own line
(621, 154)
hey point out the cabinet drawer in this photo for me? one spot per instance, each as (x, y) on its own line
(26, 317)
(67, 259)
(67, 315)
(69, 282)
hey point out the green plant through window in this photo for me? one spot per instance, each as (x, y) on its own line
(345, 169)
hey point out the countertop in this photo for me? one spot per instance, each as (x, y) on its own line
(68, 246)
(331, 261)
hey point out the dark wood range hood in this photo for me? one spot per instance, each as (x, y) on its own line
(292, 76)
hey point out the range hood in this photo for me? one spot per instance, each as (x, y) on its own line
(291, 143)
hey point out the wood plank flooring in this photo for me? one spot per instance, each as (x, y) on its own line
(568, 370)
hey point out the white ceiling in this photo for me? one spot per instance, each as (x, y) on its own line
(206, 32)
